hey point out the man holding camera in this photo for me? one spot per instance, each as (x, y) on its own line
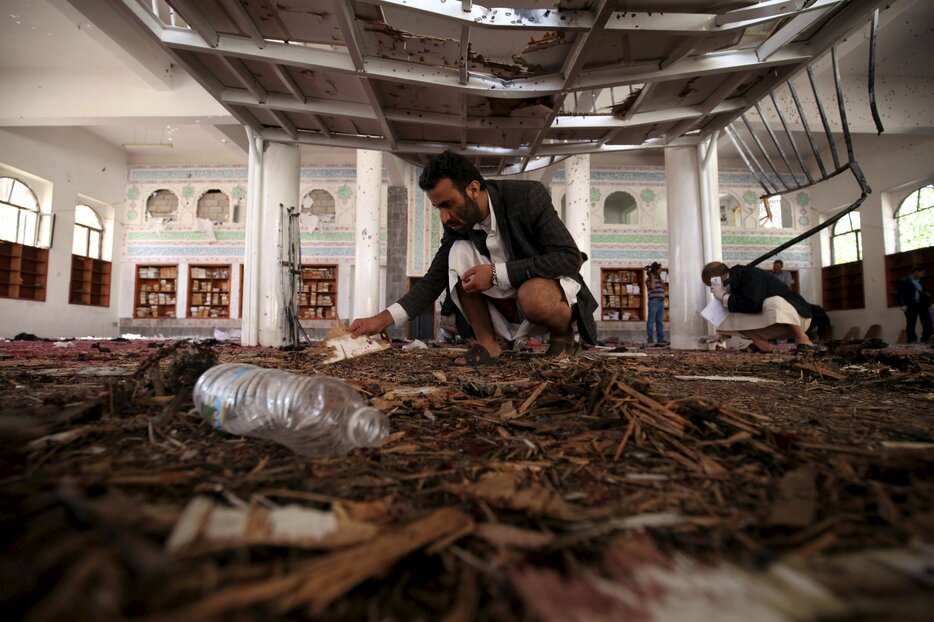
(655, 289)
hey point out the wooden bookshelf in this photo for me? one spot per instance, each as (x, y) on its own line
(156, 287)
(898, 266)
(317, 299)
(209, 291)
(23, 271)
(843, 286)
(90, 282)
(622, 294)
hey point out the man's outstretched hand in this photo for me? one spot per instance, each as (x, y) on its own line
(370, 325)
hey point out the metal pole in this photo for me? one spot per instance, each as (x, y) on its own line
(807, 130)
(791, 139)
(765, 153)
(823, 119)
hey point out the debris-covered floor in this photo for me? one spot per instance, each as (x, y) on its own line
(598, 488)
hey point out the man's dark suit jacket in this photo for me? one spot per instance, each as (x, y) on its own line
(535, 240)
(749, 287)
(907, 292)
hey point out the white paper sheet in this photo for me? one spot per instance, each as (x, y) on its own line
(714, 312)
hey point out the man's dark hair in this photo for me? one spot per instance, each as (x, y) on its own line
(917, 268)
(714, 268)
(779, 262)
(453, 166)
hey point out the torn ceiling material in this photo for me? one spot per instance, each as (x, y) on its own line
(517, 87)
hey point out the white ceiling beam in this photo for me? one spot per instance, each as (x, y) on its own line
(244, 21)
(695, 66)
(414, 73)
(464, 52)
(335, 140)
(285, 123)
(575, 60)
(330, 107)
(299, 96)
(768, 8)
(700, 24)
(288, 82)
(640, 99)
(684, 48)
(786, 33)
(849, 18)
(198, 22)
(283, 53)
(245, 77)
(120, 33)
(354, 42)
(714, 104)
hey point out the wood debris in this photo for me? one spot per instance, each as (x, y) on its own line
(599, 487)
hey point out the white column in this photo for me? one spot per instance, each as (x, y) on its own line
(366, 256)
(249, 323)
(281, 170)
(687, 294)
(709, 176)
(577, 206)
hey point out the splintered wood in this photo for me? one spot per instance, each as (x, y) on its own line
(706, 485)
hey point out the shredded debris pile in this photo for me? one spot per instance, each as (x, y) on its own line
(597, 487)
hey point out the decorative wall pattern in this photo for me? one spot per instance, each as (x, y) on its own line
(611, 245)
(182, 239)
(635, 245)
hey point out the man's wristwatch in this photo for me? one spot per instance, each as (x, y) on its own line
(494, 279)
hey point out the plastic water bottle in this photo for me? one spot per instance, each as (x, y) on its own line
(314, 416)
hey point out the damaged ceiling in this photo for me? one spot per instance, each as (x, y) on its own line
(517, 87)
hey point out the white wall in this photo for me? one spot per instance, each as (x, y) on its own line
(892, 166)
(74, 162)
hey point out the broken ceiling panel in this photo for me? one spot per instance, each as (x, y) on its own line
(415, 77)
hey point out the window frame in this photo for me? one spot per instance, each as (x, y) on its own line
(20, 231)
(89, 229)
(916, 193)
(856, 232)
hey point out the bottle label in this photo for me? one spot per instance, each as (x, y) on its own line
(214, 408)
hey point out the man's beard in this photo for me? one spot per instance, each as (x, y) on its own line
(472, 214)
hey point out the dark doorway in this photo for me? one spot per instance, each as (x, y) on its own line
(422, 326)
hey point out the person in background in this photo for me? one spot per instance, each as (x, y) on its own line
(510, 264)
(778, 271)
(760, 306)
(655, 289)
(915, 304)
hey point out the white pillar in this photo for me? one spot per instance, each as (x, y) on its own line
(577, 206)
(687, 294)
(709, 176)
(281, 170)
(366, 256)
(249, 322)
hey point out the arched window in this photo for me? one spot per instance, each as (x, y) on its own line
(19, 212)
(162, 204)
(846, 240)
(777, 215)
(914, 220)
(89, 233)
(620, 209)
(730, 210)
(321, 204)
(214, 205)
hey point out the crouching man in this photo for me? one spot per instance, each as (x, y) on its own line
(510, 264)
(760, 306)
